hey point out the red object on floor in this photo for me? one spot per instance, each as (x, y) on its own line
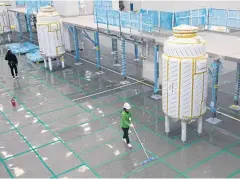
(13, 101)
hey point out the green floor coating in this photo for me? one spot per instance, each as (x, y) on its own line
(83, 138)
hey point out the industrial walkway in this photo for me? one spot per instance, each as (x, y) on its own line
(66, 124)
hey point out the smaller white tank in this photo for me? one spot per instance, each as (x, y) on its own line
(4, 19)
(49, 33)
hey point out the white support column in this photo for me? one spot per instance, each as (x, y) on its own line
(45, 62)
(50, 63)
(62, 61)
(199, 126)
(9, 38)
(167, 125)
(184, 131)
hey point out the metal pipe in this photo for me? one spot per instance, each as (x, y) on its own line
(136, 53)
(215, 73)
(123, 51)
(115, 51)
(98, 60)
(76, 44)
(19, 25)
(29, 27)
(237, 87)
(156, 69)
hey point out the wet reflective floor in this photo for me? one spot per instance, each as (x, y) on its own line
(66, 125)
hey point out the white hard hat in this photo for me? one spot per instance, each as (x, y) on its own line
(127, 106)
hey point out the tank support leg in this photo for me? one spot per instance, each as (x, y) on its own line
(167, 125)
(45, 62)
(50, 63)
(9, 38)
(184, 131)
(199, 125)
(136, 53)
(156, 95)
(236, 105)
(62, 61)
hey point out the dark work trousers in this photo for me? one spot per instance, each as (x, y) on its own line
(125, 134)
(13, 68)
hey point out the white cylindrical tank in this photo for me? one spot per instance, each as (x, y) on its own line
(49, 33)
(4, 19)
(185, 75)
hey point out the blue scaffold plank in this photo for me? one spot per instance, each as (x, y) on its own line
(34, 56)
(21, 48)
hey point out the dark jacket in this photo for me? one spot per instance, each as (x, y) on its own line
(11, 58)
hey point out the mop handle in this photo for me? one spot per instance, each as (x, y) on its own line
(140, 142)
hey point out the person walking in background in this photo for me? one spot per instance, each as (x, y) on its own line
(126, 123)
(13, 63)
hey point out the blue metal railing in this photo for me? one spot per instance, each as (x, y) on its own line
(149, 20)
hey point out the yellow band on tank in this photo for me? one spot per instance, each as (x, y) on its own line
(188, 58)
(185, 35)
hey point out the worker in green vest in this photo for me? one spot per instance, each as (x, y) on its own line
(126, 123)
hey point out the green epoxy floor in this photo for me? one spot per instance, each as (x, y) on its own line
(48, 135)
